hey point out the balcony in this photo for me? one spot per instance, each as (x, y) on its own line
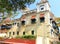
(3, 27)
(54, 25)
(57, 29)
(6, 26)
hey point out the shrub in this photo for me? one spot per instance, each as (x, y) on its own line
(17, 37)
(28, 37)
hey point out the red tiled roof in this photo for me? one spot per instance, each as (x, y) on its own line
(29, 41)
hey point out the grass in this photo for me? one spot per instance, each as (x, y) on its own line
(58, 42)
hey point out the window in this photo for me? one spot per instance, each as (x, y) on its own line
(17, 32)
(14, 23)
(51, 20)
(32, 32)
(13, 33)
(9, 33)
(33, 21)
(51, 31)
(23, 33)
(59, 38)
(23, 22)
(42, 8)
(8, 26)
(3, 27)
(54, 24)
(17, 24)
(57, 29)
(42, 19)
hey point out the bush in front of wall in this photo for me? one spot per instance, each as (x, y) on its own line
(18, 37)
(28, 37)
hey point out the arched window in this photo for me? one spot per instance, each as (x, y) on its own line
(51, 31)
(9, 33)
(32, 32)
(14, 23)
(17, 32)
(23, 33)
(13, 33)
(17, 24)
(42, 18)
(22, 22)
(33, 19)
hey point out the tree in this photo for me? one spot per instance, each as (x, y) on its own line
(10, 6)
(13, 5)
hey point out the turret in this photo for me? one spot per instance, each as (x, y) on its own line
(43, 6)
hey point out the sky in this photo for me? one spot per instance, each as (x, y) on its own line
(55, 7)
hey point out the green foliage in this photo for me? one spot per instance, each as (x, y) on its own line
(58, 20)
(27, 37)
(58, 42)
(13, 5)
(10, 6)
(17, 37)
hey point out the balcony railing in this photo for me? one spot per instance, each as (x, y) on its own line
(3, 27)
(6, 26)
(54, 24)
